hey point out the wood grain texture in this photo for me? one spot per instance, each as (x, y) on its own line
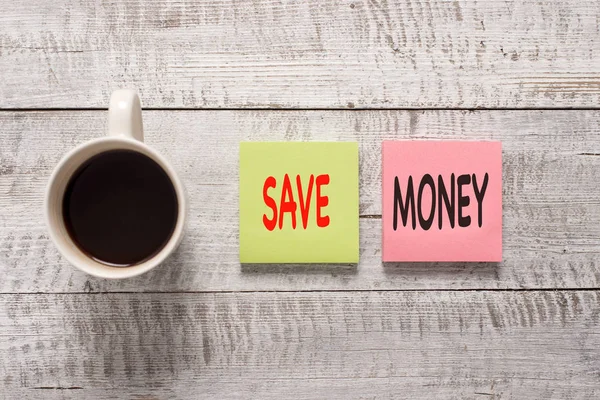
(550, 195)
(417, 345)
(286, 54)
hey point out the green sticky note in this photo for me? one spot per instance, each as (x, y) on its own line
(298, 202)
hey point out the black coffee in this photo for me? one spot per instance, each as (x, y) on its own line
(120, 208)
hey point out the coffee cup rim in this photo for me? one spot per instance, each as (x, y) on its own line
(63, 241)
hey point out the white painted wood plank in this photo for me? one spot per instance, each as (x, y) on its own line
(551, 198)
(349, 345)
(315, 53)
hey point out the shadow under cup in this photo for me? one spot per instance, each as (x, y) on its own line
(60, 233)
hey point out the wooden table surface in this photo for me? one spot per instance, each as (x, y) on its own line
(213, 73)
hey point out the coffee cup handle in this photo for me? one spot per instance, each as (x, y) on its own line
(125, 115)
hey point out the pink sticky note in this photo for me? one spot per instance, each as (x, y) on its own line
(433, 222)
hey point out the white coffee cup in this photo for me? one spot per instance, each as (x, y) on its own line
(125, 132)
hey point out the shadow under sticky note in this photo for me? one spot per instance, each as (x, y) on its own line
(442, 201)
(299, 202)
